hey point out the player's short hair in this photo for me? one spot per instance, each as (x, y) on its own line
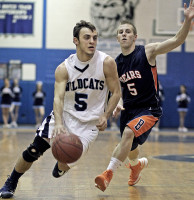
(130, 23)
(80, 25)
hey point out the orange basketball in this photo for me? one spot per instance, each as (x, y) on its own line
(67, 148)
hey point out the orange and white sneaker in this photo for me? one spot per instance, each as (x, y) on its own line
(102, 181)
(135, 174)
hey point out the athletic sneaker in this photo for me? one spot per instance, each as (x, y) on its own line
(6, 126)
(135, 174)
(56, 172)
(180, 129)
(184, 129)
(14, 124)
(102, 181)
(8, 189)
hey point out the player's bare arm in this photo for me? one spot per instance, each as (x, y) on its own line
(154, 49)
(110, 71)
(112, 79)
(61, 77)
(118, 108)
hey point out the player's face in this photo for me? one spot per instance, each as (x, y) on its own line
(125, 35)
(6, 82)
(87, 41)
(182, 89)
(39, 86)
(16, 81)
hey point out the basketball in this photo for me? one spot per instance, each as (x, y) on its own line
(67, 148)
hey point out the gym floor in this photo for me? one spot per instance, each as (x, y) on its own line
(169, 175)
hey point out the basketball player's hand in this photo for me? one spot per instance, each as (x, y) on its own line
(189, 11)
(117, 110)
(102, 124)
(59, 129)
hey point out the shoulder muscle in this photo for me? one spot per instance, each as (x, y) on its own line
(61, 73)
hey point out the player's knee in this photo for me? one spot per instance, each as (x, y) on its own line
(128, 134)
(36, 149)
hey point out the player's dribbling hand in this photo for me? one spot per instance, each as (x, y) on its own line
(59, 129)
(102, 125)
(117, 110)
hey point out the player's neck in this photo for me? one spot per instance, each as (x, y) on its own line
(128, 50)
(83, 57)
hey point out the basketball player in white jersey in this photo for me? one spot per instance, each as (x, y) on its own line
(82, 82)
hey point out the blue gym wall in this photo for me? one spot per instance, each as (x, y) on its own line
(180, 70)
(46, 61)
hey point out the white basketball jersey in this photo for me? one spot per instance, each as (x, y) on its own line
(86, 90)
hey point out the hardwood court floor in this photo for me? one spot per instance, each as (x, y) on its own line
(164, 179)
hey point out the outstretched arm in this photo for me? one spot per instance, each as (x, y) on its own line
(154, 49)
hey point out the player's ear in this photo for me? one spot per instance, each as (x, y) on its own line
(117, 38)
(75, 41)
(135, 38)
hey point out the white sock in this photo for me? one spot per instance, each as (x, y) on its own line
(114, 164)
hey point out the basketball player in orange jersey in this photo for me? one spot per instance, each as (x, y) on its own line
(136, 67)
(82, 83)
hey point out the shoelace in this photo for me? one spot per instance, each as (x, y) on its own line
(132, 175)
(108, 175)
(128, 166)
(136, 172)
